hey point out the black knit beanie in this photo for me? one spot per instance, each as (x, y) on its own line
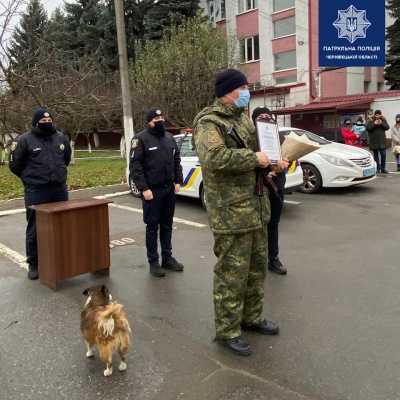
(40, 113)
(229, 80)
(360, 119)
(258, 111)
(152, 113)
(378, 112)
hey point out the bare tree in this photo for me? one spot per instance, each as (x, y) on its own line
(177, 74)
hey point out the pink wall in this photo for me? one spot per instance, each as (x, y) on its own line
(252, 70)
(284, 14)
(247, 24)
(334, 83)
(367, 74)
(284, 44)
(381, 70)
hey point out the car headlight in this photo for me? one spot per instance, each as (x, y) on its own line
(337, 161)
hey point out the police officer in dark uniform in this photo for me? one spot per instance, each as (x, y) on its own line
(155, 168)
(40, 158)
(275, 201)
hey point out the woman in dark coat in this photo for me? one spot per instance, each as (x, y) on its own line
(376, 127)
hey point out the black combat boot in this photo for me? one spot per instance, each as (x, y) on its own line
(156, 270)
(275, 265)
(33, 272)
(172, 264)
(236, 345)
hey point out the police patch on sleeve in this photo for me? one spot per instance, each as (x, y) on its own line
(62, 147)
(13, 146)
(134, 143)
(213, 137)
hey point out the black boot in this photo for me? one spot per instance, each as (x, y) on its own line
(156, 270)
(33, 272)
(236, 345)
(275, 265)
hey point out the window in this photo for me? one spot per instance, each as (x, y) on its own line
(283, 4)
(285, 27)
(251, 49)
(186, 147)
(286, 60)
(286, 79)
(329, 121)
(246, 5)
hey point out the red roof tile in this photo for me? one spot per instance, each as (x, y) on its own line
(338, 102)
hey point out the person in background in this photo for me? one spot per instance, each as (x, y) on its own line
(275, 200)
(155, 168)
(359, 129)
(395, 133)
(226, 143)
(40, 158)
(350, 137)
(376, 128)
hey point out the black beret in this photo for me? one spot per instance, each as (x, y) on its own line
(258, 111)
(152, 113)
(40, 113)
(229, 80)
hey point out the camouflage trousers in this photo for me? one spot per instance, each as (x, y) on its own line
(239, 276)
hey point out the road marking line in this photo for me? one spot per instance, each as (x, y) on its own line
(13, 256)
(292, 202)
(12, 212)
(106, 196)
(180, 220)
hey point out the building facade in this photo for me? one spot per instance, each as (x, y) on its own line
(279, 44)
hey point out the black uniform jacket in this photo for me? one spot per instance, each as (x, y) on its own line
(40, 160)
(155, 160)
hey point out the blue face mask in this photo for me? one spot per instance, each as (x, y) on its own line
(243, 100)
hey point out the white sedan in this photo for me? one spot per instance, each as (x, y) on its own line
(192, 185)
(334, 164)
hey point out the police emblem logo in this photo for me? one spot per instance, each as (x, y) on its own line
(134, 143)
(158, 112)
(13, 146)
(213, 137)
(62, 147)
(46, 114)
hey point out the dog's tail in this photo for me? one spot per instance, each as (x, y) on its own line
(110, 317)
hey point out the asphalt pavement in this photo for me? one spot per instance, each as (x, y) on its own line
(338, 308)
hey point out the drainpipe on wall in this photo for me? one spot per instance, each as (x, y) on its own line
(317, 81)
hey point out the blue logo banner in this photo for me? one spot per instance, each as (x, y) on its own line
(352, 33)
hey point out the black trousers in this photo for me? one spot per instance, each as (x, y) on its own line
(159, 213)
(276, 203)
(35, 195)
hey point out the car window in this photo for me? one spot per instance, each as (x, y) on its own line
(186, 147)
(311, 136)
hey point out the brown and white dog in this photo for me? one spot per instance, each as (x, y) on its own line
(104, 323)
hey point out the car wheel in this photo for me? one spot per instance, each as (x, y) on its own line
(312, 180)
(202, 197)
(134, 189)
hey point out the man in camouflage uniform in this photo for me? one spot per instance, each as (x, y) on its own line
(237, 215)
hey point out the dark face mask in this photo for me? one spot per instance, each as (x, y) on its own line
(46, 127)
(159, 127)
(397, 121)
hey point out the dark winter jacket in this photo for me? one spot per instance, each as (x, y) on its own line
(155, 160)
(40, 159)
(377, 135)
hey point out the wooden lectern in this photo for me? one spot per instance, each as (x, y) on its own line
(73, 239)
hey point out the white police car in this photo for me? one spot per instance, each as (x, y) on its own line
(192, 185)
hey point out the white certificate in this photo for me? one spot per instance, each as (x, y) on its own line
(268, 140)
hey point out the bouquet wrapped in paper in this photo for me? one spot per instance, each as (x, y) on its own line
(296, 146)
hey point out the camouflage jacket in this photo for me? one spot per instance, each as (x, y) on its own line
(228, 171)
